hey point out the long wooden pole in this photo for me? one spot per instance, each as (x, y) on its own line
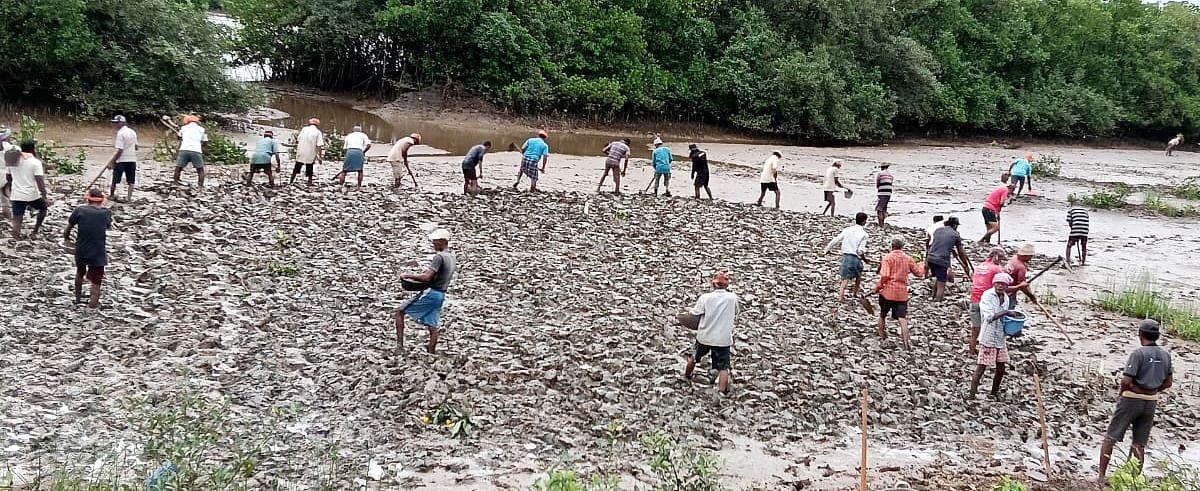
(862, 484)
(1061, 329)
(1037, 384)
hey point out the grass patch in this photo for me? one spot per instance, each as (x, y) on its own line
(1143, 298)
(1047, 166)
(1104, 199)
(1157, 204)
(285, 263)
(1190, 189)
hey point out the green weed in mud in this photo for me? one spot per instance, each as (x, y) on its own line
(1174, 475)
(678, 467)
(1156, 203)
(1190, 189)
(563, 477)
(48, 151)
(1047, 166)
(1008, 484)
(1104, 199)
(1143, 298)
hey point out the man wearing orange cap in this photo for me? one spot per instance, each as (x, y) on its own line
(534, 150)
(717, 311)
(1021, 171)
(191, 148)
(310, 148)
(90, 258)
(398, 157)
(260, 161)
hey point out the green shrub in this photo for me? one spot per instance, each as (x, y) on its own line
(1190, 189)
(1176, 476)
(1156, 203)
(680, 468)
(1104, 199)
(1047, 166)
(49, 151)
(1007, 484)
(1143, 298)
(562, 477)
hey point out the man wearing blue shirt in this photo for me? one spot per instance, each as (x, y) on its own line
(260, 161)
(662, 166)
(1022, 172)
(534, 150)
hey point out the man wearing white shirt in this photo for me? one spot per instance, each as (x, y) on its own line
(124, 162)
(191, 148)
(854, 248)
(26, 187)
(310, 149)
(769, 180)
(6, 145)
(831, 185)
(717, 310)
(356, 144)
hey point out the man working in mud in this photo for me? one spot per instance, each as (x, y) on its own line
(357, 144)
(769, 179)
(6, 145)
(472, 167)
(1077, 221)
(883, 191)
(26, 186)
(615, 151)
(981, 282)
(192, 139)
(929, 231)
(534, 151)
(993, 344)
(1147, 374)
(1021, 171)
(93, 220)
(854, 247)
(699, 170)
(717, 311)
(260, 161)
(426, 306)
(892, 288)
(1175, 142)
(398, 158)
(991, 208)
(661, 156)
(124, 162)
(831, 185)
(310, 149)
(946, 242)
(1018, 268)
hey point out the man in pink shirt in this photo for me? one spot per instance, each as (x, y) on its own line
(980, 282)
(991, 208)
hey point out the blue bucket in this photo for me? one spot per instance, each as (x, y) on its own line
(1013, 325)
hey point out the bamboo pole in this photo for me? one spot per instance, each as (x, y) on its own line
(1037, 384)
(1061, 329)
(862, 485)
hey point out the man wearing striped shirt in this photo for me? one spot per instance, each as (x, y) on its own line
(883, 188)
(1077, 219)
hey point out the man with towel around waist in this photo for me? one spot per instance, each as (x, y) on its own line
(356, 144)
(426, 307)
(1147, 374)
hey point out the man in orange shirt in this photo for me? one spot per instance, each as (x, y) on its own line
(894, 269)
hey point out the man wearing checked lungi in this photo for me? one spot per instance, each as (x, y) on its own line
(534, 150)
(426, 307)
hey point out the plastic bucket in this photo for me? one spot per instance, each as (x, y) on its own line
(1013, 325)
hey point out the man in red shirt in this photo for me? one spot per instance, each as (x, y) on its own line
(981, 281)
(1019, 269)
(894, 269)
(991, 208)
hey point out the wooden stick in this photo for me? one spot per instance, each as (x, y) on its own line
(97, 179)
(1061, 329)
(862, 483)
(1037, 384)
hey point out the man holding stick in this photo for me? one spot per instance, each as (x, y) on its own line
(1147, 374)
(124, 162)
(398, 157)
(615, 152)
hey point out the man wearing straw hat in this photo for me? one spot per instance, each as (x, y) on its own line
(310, 148)
(90, 258)
(993, 347)
(426, 307)
(1147, 373)
(1018, 268)
(192, 137)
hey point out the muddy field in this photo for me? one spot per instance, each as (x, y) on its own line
(560, 321)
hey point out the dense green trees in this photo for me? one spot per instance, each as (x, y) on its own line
(129, 56)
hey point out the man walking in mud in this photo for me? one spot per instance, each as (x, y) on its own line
(831, 185)
(426, 306)
(1018, 268)
(124, 161)
(93, 220)
(1175, 142)
(472, 167)
(1021, 171)
(192, 138)
(769, 179)
(1147, 374)
(717, 311)
(981, 282)
(993, 347)
(854, 246)
(661, 156)
(991, 208)
(260, 161)
(5, 146)
(534, 151)
(357, 144)
(615, 151)
(946, 242)
(398, 158)
(25, 186)
(883, 191)
(699, 170)
(892, 288)
(310, 149)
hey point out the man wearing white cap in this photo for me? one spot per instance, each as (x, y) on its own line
(993, 347)
(124, 162)
(398, 157)
(426, 307)
(831, 185)
(662, 166)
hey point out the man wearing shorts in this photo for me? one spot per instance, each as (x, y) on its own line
(1174, 143)
(534, 150)
(260, 161)
(831, 185)
(991, 208)
(769, 179)
(883, 191)
(661, 156)
(892, 288)
(191, 149)
(472, 167)
(1022, 172)
(946, 242)
(1147, 374)
(993, 347)
(615, 152)
(981, 282)
(310, 148)
(1077, 221)
(854, 247)
(357, 144)
(717, 311)
(26, 187)
(426, 307)
(398, 158)
(699, 170)
(93, 220)
(124, 162)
